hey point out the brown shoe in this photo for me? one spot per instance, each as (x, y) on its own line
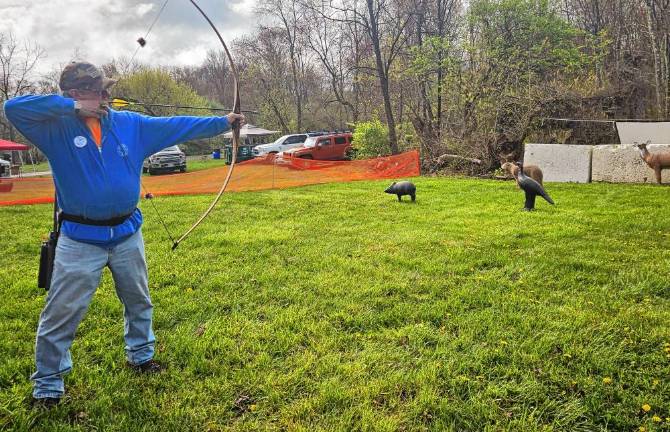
(148, 367)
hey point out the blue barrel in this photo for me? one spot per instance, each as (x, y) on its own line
(216, 154)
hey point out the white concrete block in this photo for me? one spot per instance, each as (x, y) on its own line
(560, 162)
(651, 132)
(623, 164)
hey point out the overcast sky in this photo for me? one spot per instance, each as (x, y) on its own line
(103, 29)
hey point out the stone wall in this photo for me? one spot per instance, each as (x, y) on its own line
(560, 162)
(623, 164)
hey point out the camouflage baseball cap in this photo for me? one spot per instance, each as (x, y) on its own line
(84, 76)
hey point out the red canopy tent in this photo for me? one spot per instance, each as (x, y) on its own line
(9, 145)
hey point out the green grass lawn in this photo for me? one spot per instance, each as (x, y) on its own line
(197, 165)
(334, 307)
(38, 167)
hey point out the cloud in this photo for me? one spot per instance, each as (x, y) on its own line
(102, 30)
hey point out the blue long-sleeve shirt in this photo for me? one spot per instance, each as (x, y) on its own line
(100, 183)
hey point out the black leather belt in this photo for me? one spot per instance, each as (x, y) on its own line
(95, 222)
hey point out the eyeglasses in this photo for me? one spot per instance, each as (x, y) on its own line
(103, 94)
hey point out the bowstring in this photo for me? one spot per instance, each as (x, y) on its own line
(119, 143)
(146, 192)
(139, 45)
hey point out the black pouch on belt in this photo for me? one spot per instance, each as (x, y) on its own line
(47, 256)
(48, 253)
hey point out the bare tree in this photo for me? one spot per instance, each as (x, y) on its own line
(383, 22)
(17, 72)
(658, 26)
(265, 62)
(435, 26)
(120, 66)
(212, 79)
(331, 43)
(287, 15)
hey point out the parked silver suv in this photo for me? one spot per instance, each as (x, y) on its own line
(168, 159)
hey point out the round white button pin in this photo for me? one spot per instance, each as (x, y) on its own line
(80, 141)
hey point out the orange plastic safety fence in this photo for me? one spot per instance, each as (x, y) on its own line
(256, 174)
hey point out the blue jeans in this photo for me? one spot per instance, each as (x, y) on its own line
(77, 270)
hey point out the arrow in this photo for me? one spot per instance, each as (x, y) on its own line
(122, 103)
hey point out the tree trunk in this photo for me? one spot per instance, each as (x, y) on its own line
(657, 62)
(441, 9)
(667, 72)
(298, 92)
(383, 78)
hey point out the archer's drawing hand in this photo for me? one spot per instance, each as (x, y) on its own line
(90, 108)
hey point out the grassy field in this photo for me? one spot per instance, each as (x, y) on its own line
(198, 164)
(38, 167)
(334, 307)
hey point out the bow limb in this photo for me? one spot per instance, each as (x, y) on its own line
(235, 127)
